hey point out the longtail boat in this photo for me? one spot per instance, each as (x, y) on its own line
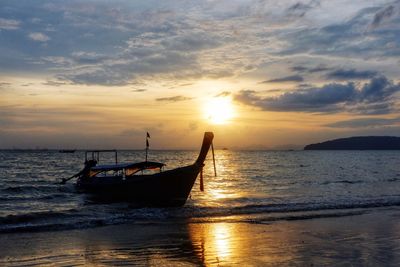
(133, 181)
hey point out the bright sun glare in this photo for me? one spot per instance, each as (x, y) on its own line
(219, 110)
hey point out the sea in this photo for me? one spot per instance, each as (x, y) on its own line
(250, 186)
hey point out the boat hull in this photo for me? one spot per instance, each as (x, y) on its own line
(167, 188)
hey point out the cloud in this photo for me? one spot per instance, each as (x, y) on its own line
(383, 15)
(22, 117)
(98, 76)
(39, 37)
(118, 44)
(139, 90)
(54, 83)
(174, 98)
(136, 60)
(191, 41)
(193, 126)
(185, 84)
(300, 9)
(374, 97)
(347, 38)
(293, 78)
(9, 24)
(99, 43)
(378, 89)
(132, 132)
(224, 93)
(140, 132)
(364, 123)
(57, 61)
(82, 57)
(4, 84)
(349, 74)
(319, 68)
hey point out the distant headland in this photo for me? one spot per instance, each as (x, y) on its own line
(358, 143)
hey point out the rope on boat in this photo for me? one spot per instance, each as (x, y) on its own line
(201, 181)
(215, 167)
(201, 171)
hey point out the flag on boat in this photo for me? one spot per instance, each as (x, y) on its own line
(147, 139)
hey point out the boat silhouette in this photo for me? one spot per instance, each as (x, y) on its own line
(141, 182)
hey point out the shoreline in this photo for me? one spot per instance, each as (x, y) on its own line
(371, 238)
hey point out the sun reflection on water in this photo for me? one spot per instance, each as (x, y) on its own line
(223, 187)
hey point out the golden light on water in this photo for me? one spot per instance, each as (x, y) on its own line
(219, 110)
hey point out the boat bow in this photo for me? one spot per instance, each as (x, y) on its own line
(207, 141)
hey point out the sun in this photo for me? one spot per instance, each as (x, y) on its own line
(219, 110)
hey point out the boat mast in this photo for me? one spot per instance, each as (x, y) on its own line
(147, 143)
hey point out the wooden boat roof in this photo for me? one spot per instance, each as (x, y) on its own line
(138, 165)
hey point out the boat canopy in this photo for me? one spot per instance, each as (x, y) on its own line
(139, 165)
(128, 168)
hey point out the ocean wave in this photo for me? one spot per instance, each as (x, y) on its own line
(84, 224)
(303, 207)
(30, 197)
(104, 215)
(34, 216)
(393, 179)
(344, 182)
(29, 227)
(30, 189)
(301, 216)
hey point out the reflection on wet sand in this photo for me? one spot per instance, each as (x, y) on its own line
(193, 244)
(369, 239)
(180, 244)
(141, 245)
(227, 244)
(214, 243)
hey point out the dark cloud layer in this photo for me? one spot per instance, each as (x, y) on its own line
(351, 38)
(104, 43)
(349, 74)
(293, 78)
(374, 97)
(299, 9)
(383, 15)
(319, 68)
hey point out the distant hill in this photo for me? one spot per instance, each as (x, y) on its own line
(358, 143)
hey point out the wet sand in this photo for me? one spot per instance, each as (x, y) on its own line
(369, 239)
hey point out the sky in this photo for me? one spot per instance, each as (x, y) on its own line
(260, 74)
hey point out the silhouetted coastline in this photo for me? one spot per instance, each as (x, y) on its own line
(358, 143)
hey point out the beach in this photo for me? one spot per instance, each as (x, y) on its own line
(371, 238)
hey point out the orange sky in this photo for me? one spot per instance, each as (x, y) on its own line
(277, 76)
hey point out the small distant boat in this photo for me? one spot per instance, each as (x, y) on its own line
(67, 150)
(142, 182)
